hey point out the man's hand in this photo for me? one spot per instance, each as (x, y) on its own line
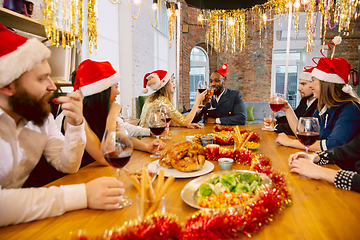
(72, 107)
(104, 193)
(156, 145)
(211, 120)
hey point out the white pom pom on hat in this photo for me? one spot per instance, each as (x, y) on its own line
(156, 80)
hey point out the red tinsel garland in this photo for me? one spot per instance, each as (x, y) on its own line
(218, 224)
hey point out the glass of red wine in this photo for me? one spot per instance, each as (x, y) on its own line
(201, 87)
(168, 115)
(117, 148)
(308, 130)
(157, 124)
(277, 102)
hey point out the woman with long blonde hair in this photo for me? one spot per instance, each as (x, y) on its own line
(161, 82)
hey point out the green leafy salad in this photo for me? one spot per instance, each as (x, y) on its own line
(237, 182)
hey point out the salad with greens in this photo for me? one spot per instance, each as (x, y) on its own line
(228, 189)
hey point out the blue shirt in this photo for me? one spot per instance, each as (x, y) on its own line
(338, 125)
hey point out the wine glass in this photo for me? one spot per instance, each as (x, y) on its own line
(210, 95)
(308, 131)
(117, 148)
(168, 115)
(157, 124)
(277, 102)
(201, 87)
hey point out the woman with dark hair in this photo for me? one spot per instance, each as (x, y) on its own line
(338, 109)
(347, 157)
(160, 81)
(98, 83)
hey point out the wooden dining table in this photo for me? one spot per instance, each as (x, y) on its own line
(319, 210)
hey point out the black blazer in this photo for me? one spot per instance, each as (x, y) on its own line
(230, 109)
(301, 111)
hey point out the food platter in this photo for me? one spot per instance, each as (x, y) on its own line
(189, 192)
(208, 167)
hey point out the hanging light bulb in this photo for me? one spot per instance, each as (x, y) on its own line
(177, 12)
(155, 5)
(264, 17)
(231, 21)
(200, 17)
(168, 9)
(137, 2)
(305, 2)
(297, 4)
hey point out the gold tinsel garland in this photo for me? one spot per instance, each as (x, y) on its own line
(69, 30)
(223, 26)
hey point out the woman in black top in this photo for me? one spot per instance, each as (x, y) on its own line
(347, 157)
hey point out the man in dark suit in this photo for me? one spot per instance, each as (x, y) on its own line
(306, 107)
(228, 104)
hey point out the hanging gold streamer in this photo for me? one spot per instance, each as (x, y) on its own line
(92, 30)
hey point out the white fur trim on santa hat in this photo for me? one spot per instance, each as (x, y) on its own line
(23, 59)
(100, 86)
(305, 76)
(327, 77)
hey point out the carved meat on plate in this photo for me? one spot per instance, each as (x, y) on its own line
(184, 157)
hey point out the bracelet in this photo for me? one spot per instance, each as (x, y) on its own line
(323, 158)
(343, 179)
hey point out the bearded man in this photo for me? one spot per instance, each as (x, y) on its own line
(28, 131)
(306, 107)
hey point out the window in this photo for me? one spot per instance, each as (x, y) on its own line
(278, 75)
(199, 70)
(162, 19)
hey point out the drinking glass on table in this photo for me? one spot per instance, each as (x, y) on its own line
(268, 119)
(168, 115)
(210, 94)
(157, 124)
(308, 131)
(117, 148)
(201, 87)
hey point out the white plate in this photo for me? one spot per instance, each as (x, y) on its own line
(189, 192)
(208, 167)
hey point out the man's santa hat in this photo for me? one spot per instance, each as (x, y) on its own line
(306, 74)
(94, 77)
(333, 70)
(18, 55)
(156, 80)
(223, 70)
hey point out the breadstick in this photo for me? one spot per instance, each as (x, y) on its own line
(246, 140)
(151, 189)
(160, 182)
(136, 183)
(143, 197)
(164, 189)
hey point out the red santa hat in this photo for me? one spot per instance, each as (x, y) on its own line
(156, 80)
(94, 77)
(223, 70)
(306, 74)
(333, 70)
(18, 55)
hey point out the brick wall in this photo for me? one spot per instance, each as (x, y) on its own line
(249, 71)
(348, 48)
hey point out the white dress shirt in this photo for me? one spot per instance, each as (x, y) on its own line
(135, 131)
(21, 147)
